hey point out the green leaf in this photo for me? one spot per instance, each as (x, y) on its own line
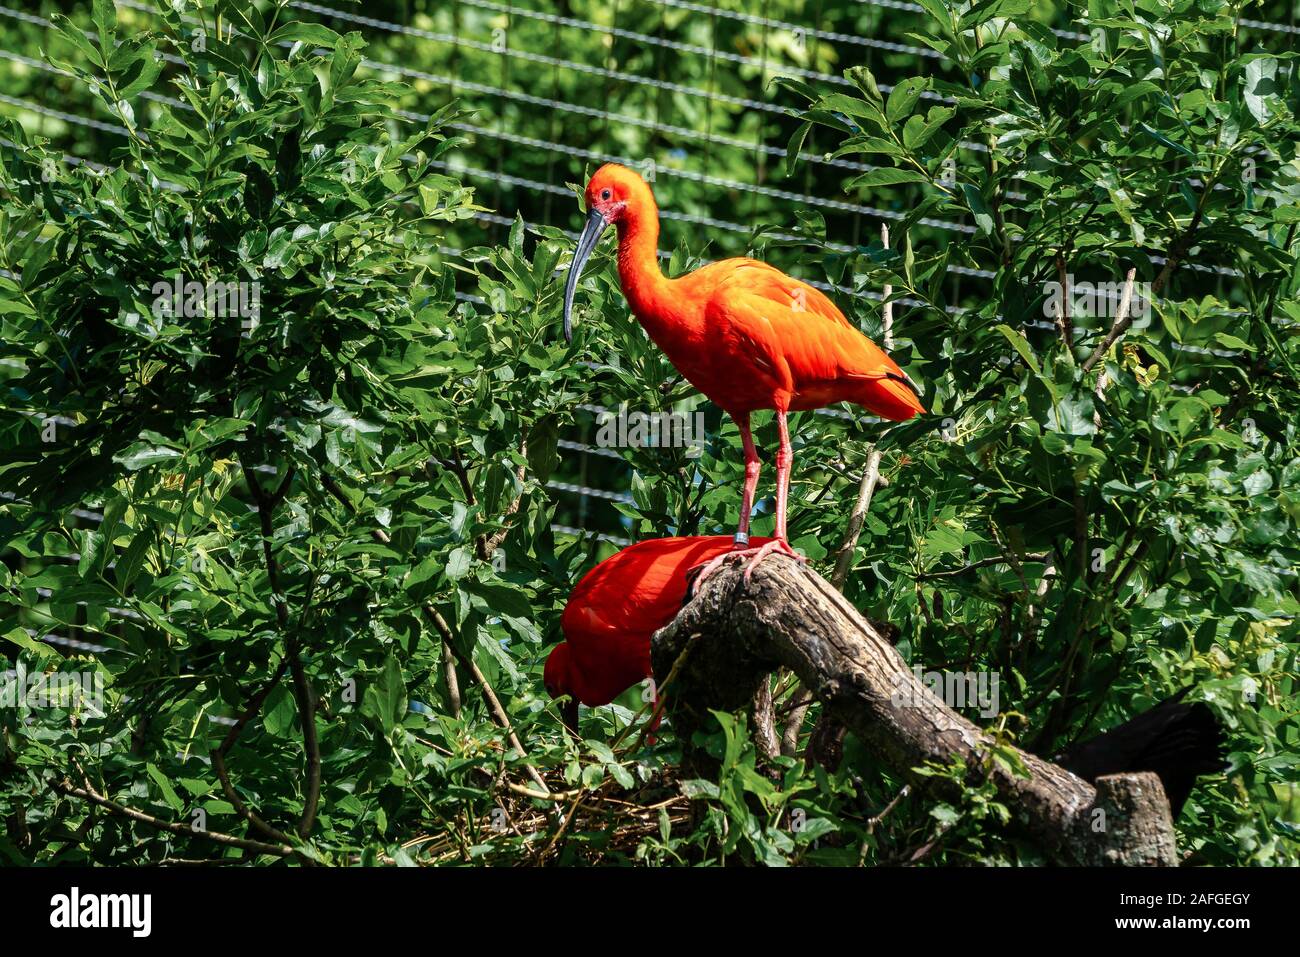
(19, 637)
(458, 563)
(165, 786)
(385, 699)
(543, 440)
(279, 713)
(1021, 345)
(143, 454)
(983, 216)
(302, 31)
(886, 176)
(132, 560)
(903, 98)
(91, 543)
(1260, 85)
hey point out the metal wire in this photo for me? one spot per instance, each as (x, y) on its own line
(577, 67)
(827, 35)
(760, 149)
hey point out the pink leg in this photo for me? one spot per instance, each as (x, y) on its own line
(784, 459)
(752, 467)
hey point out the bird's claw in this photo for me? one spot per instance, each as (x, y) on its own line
(701, 572)
(741, 549)
(775, 545)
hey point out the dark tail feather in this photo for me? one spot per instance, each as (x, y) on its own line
(906, 380)
(1175, 740)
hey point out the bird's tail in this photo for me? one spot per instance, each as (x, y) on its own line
(1177, 740)
(892, 396)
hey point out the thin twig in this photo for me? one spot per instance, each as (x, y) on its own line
(659, 693)
(488, 544)
(564, 826)
(1064, 320)
(1122, 321)
(871, 475)
(1034, 612)
(303, 693)
(306, 698)
(88, 793)
(887, 307)
(873, 821)
(218, 756)
(857, 518)
(1007, 559)
(541, 795)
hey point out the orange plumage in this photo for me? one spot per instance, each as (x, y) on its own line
(742, 332)
(615, 609)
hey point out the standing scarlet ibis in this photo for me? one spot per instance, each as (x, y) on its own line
(613, 612)
(742, 332)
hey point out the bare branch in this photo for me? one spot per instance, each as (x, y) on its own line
(787, 615)
(1122, 321)
(88, 793)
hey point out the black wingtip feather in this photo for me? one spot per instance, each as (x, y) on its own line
(1176, 740)
(906, 380)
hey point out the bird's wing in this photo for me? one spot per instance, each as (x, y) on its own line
(635, 591)
(762, 279)
(792, 329)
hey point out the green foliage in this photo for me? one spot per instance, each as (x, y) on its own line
(1162, 498)
(1094, 549)
(210, 432)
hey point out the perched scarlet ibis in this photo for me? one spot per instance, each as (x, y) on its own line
(614, 610)
(742, 332)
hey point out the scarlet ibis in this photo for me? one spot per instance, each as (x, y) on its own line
(742, 332)
(1177, 740)
(613, 612)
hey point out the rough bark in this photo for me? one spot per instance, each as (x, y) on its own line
(734, 633)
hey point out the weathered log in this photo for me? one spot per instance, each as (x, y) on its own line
(734, 633)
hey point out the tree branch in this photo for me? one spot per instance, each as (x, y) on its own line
(1122, 321)
(88, 793)
(303, 693)
(218, 756)
(790, 616)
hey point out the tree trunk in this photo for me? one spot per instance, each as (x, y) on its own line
(735, 633)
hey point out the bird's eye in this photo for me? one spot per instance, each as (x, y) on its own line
(606, 194)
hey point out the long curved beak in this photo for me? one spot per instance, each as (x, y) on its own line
(591, 233)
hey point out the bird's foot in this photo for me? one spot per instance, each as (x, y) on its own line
(775, 545)
(742, 550)
(701, 572)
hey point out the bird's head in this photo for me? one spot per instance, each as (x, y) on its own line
(614, 195)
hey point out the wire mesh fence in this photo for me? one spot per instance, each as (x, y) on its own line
(690, 94)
